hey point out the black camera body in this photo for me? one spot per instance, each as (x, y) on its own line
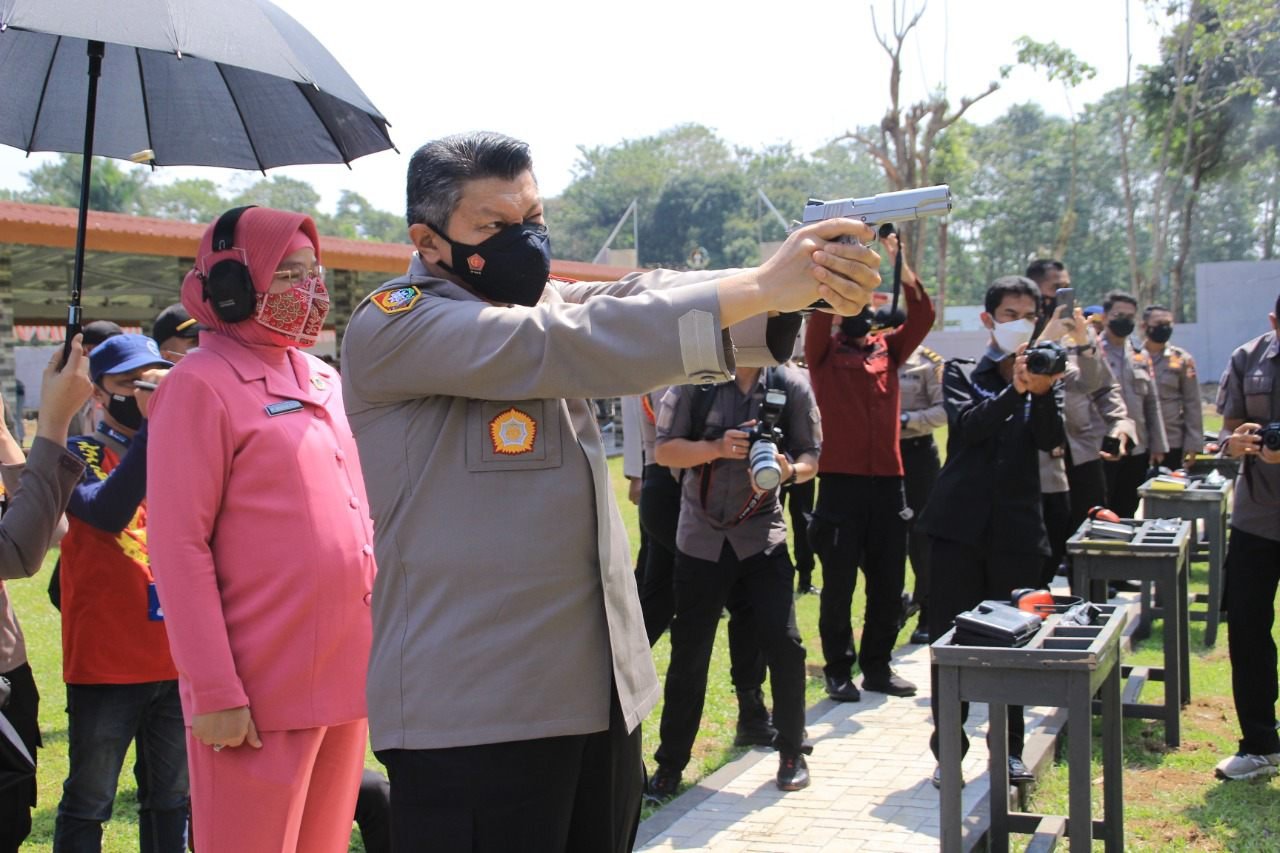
(1269, 436)
(764, 439)
(1046, 358)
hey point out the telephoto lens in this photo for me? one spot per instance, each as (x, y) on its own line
(1046, 358)
(766, 473)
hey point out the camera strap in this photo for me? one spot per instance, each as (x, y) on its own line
(700, 408)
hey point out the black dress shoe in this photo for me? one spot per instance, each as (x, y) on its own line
(920, 637)
(793, 772)
(842, 689)
(890, 683)
(936, 779)
(1019, 772)
(754, 733)
(662, 785)
(909, 608)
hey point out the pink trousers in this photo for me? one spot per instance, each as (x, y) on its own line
(296, 793)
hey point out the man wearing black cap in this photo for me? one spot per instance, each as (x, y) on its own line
(175, 331)
(121, 681)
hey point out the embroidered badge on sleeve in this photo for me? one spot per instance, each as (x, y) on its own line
(396, 301)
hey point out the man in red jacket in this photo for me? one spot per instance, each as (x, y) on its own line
(861, 517)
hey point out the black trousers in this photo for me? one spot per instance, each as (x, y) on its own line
(572, 794)
(1123, 479)
(1252, 577)
(659, 519)
(1173, 459)
(373, 812)
(702, 587)
(920, 466)
(1056, 507)
(797, 500)
(22, 712)
(964, 576)
(1088, 485)
(869, 532)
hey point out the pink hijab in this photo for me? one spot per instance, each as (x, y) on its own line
(266, 237)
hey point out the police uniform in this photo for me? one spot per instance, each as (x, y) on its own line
(1179, 391)
(1132, 371)
(506, 620)
(920, 389)
(1250, 392)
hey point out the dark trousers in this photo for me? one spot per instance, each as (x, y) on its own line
(966, 575)
(920, 466)
(373, 812)
(702, 587)
(22, 712)
(1173, 459)
(869, 532)
(571, 794)
(102, 720)
(659, 518)
(797, 499)
(1056, 507)
(1252, 576)
(1088, 484)
(1123, 479)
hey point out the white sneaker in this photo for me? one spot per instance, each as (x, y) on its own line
(1248, 766)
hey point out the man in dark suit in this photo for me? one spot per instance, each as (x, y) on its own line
(984, 515)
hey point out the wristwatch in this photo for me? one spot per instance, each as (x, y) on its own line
(906, 418)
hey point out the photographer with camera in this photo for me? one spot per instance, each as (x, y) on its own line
(754, 434)
(985, 513)
(861, 516)
(1249, 402)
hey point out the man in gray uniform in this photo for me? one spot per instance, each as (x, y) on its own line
(1249, 399)
(510, 669)
(1176, 383)
(922, 412)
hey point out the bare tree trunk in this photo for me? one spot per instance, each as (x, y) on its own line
(1269, 220)
(940, 304)
(1176, 277)
(1067, 224)
(1125, 126)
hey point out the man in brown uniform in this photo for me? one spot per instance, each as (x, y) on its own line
(510, 669)
(1177, 386)
(1249, 400)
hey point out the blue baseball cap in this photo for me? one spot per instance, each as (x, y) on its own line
(122, 354)
(1093, 309)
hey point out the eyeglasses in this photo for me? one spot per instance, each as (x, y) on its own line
(296, 273)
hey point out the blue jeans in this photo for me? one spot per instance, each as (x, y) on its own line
(102, 721)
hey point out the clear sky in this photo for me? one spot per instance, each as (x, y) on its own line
(567, 73)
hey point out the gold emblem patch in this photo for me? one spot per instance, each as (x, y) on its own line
(396, 301)
(512, 432)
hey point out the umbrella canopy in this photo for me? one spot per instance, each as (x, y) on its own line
(234, 83)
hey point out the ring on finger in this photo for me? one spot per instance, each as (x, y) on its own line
(217, 747)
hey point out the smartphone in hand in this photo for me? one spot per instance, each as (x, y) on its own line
(1065, 296)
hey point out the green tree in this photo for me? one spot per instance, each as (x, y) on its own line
(357, 219)
(187, 199)
(283, 193)
(112, 188)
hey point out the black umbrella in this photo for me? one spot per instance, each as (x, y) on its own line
(234, 83)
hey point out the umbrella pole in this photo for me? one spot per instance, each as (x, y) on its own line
(96, 50)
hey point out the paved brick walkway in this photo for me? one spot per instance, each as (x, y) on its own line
(870, 792)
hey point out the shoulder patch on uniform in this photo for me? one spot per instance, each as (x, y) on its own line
(931, 355)
(397, 300)
(512, 432)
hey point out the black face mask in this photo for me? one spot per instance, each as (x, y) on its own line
(125, 411)
(510, 267)
(1160, 334)
(857, 326)
(1121, 327)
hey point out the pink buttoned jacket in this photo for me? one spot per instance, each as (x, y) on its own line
(260, 537)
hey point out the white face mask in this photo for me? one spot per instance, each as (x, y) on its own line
(1009, 336)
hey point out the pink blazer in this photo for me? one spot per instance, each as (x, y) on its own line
(260, 537)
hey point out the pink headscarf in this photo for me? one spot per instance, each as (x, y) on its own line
(266, 236)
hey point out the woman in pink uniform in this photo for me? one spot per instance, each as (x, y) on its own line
(261, 546)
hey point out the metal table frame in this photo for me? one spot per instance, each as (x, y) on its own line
(1207, 507)
(1063, 666)
(1152, 555)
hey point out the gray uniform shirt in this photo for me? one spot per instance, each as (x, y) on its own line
(920, 393)
(38, 493)
(1250, 391)
(1179, 391)
(1132, 371)
(505, 605)
(704, 527)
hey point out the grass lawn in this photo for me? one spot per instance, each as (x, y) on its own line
(1172, 800)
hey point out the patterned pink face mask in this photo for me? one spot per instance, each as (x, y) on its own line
(297, 313)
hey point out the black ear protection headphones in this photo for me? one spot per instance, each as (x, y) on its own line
(228, 284)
